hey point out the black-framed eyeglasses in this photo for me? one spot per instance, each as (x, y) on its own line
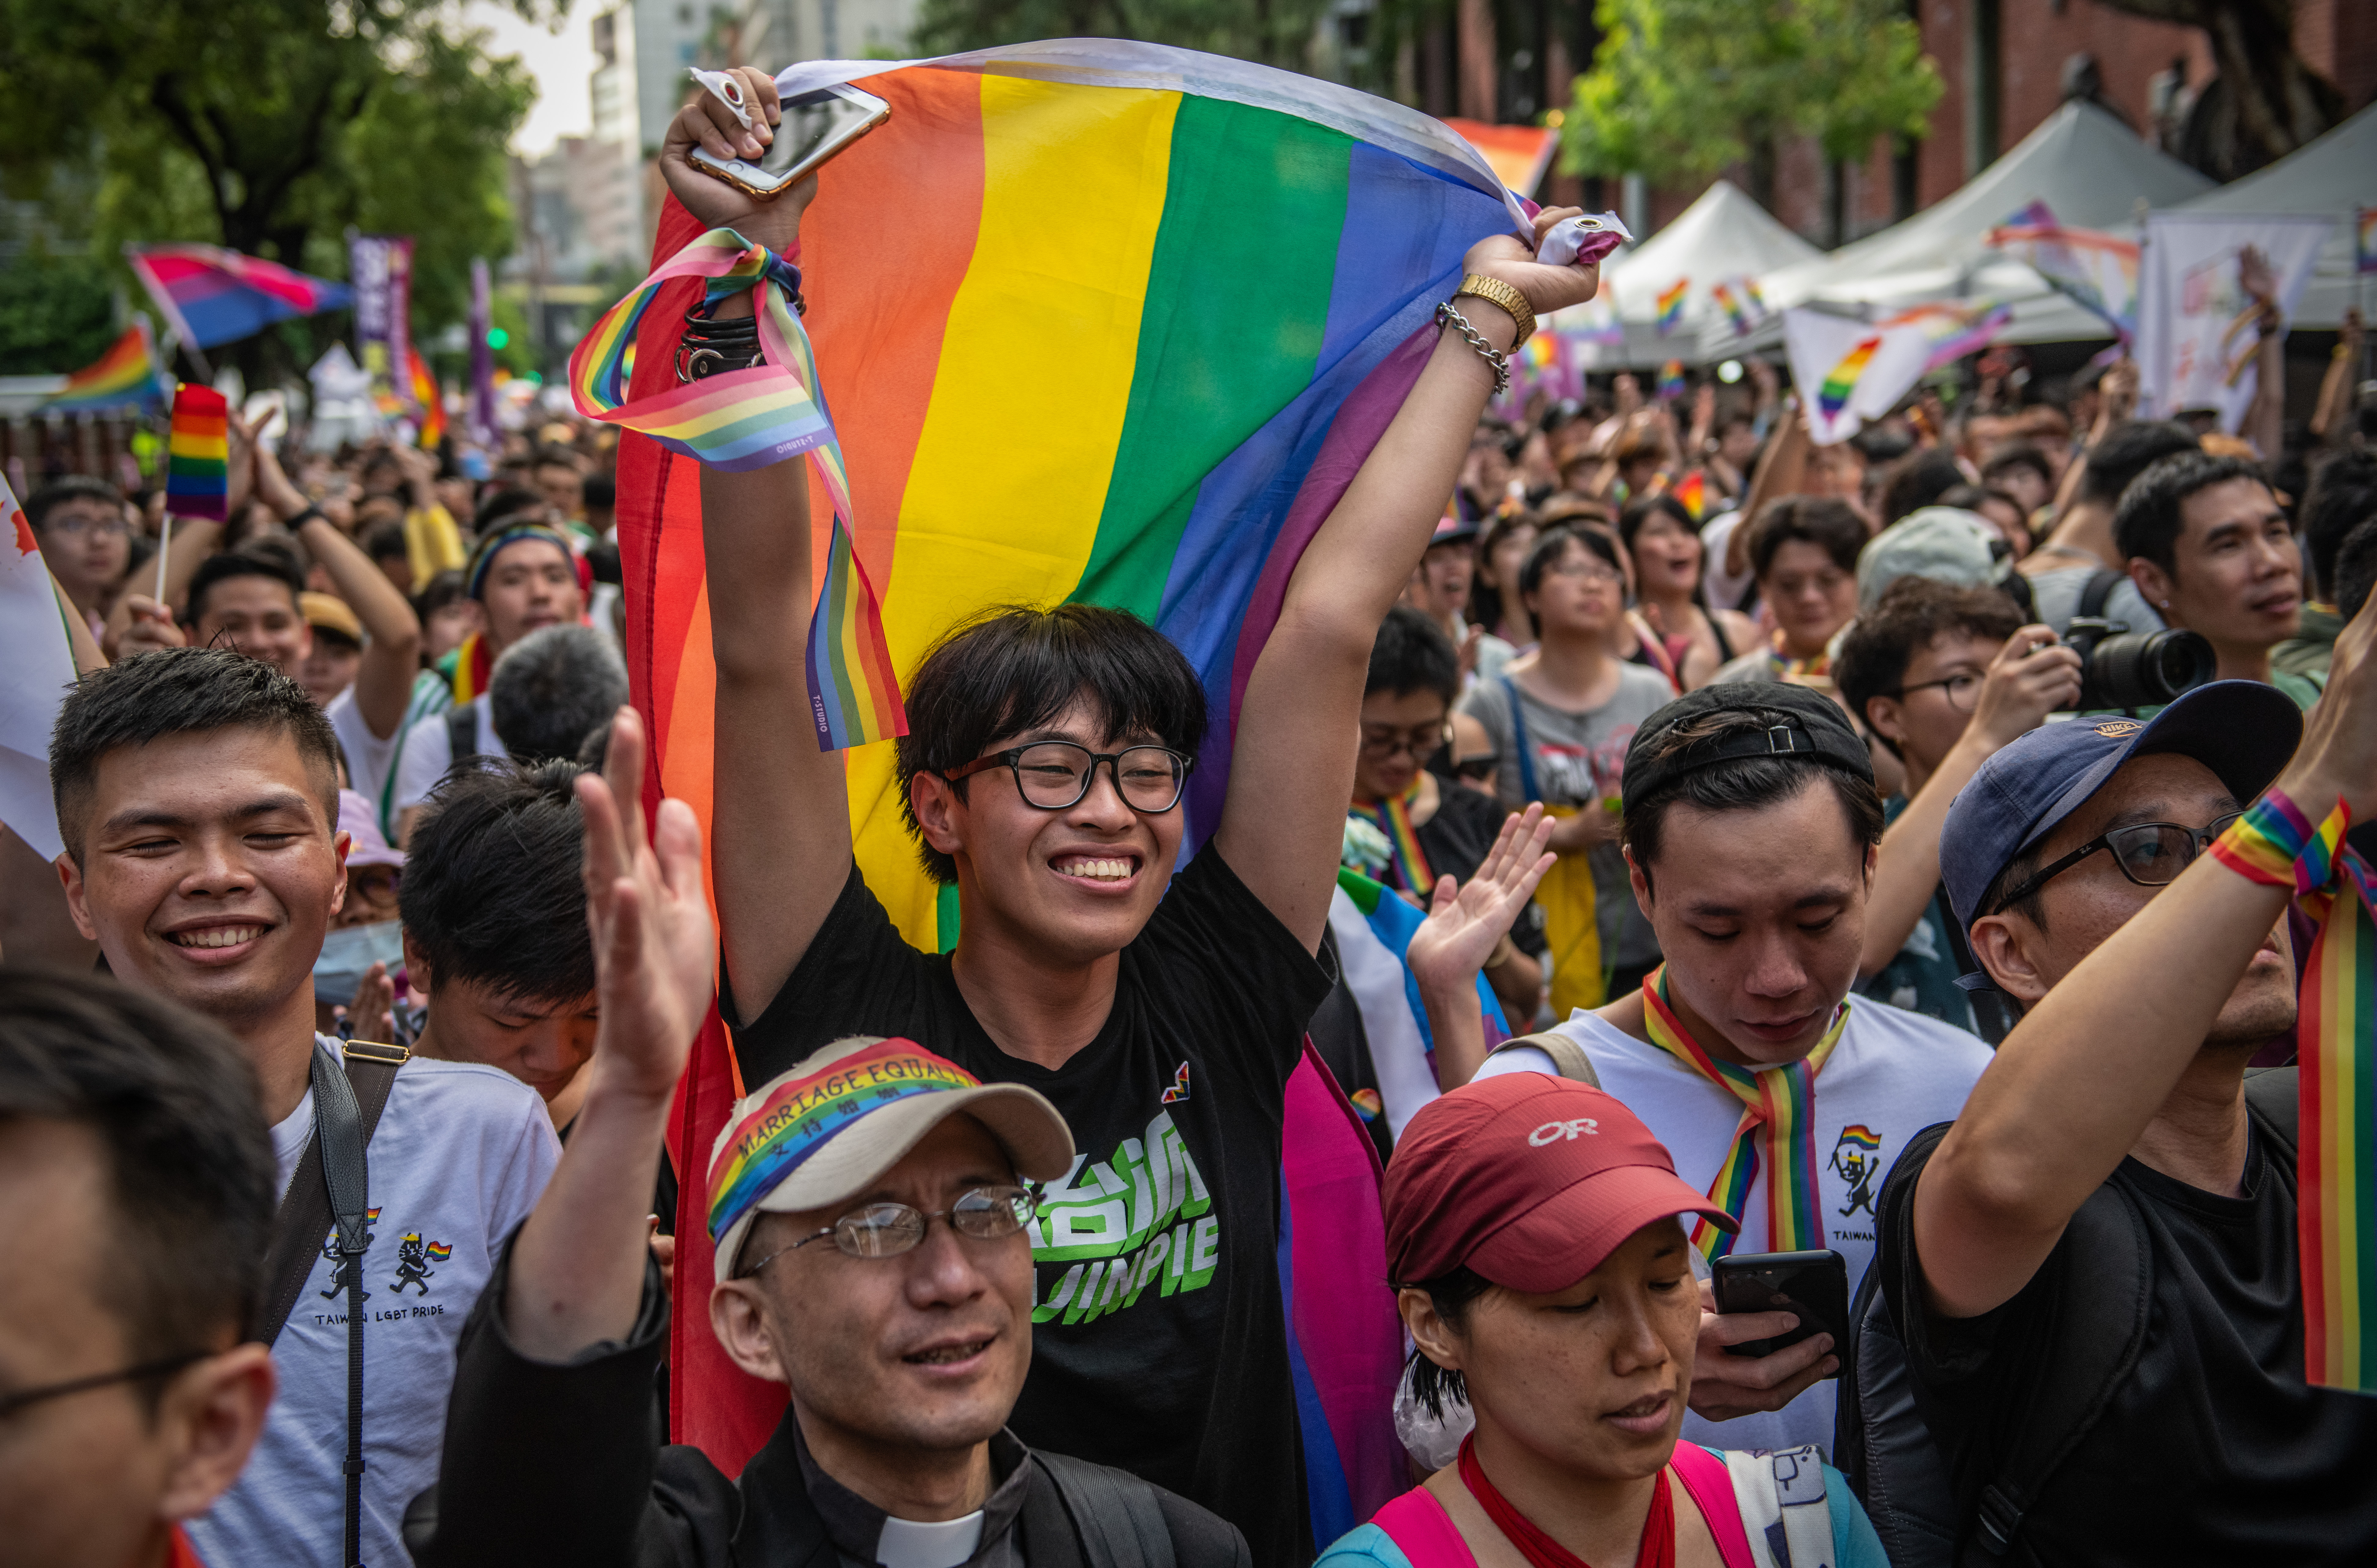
(1421, 741)
(25, 1398)
(1962, 689)
(1479, 768)
(888, 1229)
(2150, 854)
(1055, 775)
(82, 523)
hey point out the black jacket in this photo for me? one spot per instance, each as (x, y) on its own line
(561, 1465)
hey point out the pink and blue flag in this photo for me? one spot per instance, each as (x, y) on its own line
(212, 295)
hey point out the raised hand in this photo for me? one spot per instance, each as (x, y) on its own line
(2032, 676)
(2338, 753)
(707, 123)
(1513, 261)
(1465, 923)
(655, 950)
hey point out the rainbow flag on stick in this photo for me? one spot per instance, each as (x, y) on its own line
(1670, 303)
(125, 377)
(197, 461)
(427, 392)
(1671, 381)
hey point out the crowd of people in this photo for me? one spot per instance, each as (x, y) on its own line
(1902, 852)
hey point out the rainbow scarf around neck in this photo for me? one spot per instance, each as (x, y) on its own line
(1407, 866)
(754, 418)
(1777, 1132)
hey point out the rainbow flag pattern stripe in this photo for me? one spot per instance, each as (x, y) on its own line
(440, 1251)
(123, 376)
(1736, 310)
(431, 397)
(211, 295)
(768, 1141)
(1777, 1132)
(197, 460)
(1669, 305)
(1692, 493)
(1409, 865)
(1671, 381)
(1842, 379)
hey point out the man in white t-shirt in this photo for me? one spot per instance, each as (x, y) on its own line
(196, 792)
(524, 575)
(1767, 796)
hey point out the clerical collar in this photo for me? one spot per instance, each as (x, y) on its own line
(867, 1534)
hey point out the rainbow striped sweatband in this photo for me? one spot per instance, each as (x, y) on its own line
(2274, 844)
(474, 576)
(773, 1137)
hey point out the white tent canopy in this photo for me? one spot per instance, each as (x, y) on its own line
(2091, 171)
(1723, 235)
(2331, 177)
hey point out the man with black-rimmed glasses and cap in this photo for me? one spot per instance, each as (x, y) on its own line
(1750, 830)
(2115, 1215)
(871, 1210)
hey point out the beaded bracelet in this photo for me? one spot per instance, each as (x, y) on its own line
(2274, 844)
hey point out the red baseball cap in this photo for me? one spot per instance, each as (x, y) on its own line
(1529, 1180)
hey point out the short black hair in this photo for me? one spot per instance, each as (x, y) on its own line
(228, 564)
(1751, 783)
(2356, 569)
(552, 686)
(1883, 641)
(387, 542)
(190, 1168)
(447, 588)
(2007, 458)
(1411, 653)
(2343, 495)
(2127, 451)
(1917, 481)
(1013, 667)
(551, 457)
(501, 504)
(493, 891)
(1639, 513)
(178, 691)
(601, 489)
(2147, 523)
(1451, 1294)
(1831, 526)
(1552, 543)
(73, 487)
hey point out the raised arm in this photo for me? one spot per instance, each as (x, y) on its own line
(384, 681)
(1292, 766)
(2077, 1081)
(1464, 925)
(778, 805)
(1782, 470)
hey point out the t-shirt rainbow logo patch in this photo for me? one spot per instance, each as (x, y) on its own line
(773, 1138)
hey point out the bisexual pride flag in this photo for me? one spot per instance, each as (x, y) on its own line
(211, 295)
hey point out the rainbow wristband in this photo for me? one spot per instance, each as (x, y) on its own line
(2274, 844)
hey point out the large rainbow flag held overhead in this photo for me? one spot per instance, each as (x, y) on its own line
(1097, 322)
(210, 295)
(123, 377)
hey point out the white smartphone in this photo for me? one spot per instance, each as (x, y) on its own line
(815, 126)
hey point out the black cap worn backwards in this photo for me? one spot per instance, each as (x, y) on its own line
(1801, 723)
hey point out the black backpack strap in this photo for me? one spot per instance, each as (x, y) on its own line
(2098, 591)
(1114, 1513)
(461, 734)
(1568, 1057)
(304, 1212)
(2017, 588)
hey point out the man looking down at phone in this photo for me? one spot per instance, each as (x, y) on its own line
(2148, 973)
(1750, 831)
(872, 1207)
(1042, 775)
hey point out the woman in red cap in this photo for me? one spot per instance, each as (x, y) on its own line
(1532, 1234)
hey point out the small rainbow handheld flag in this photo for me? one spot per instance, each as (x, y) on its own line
(197, 470)
(432, 398)
(1692, 491)
(1736, 310)
(1776, 1131)
(1671, 381)
(123, 376)
(1670, 305)
(750, 419)
(1842, 379)
(2364, 238)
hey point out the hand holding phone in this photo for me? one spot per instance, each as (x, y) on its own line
(810, 130)
(708, 125)
(1811, 1285)
(1738, 1369)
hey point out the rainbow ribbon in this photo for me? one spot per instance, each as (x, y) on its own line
(198, 454)
(2335, 1023)
(1409, 860)
(1778, 1114)
(752, 418)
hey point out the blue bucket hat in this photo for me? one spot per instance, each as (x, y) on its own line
(2242, 731)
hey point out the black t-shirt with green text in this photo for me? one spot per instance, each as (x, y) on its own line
(1160, 1342)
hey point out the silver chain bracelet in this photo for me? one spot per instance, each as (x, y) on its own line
(1448, 317)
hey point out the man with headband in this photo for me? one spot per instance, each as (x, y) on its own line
(1750, 831)
(872, 1210)
(523, 575)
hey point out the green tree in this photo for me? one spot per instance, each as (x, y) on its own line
(1682, 88)
(56, 314)
(271, 126)
(1274, 32)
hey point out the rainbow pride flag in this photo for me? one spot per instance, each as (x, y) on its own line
(2364, 238)
(125, 377)
(1671, 381)
(198, 454)
(211, 295)
(1691, 491)
(1736, 308)
(1168, 305)
(430, 397)
(1670, 303)
(1954, 329)
(1842, 379)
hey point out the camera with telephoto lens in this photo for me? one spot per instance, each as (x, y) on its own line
(2120, 668)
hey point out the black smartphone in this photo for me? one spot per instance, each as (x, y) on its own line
(1813, 1285)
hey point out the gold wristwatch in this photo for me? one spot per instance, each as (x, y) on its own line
(1494, 292)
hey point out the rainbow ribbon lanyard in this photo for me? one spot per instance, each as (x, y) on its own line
(752, 418)
(2335, 1025)
(1410, 861)
(1778, 1112)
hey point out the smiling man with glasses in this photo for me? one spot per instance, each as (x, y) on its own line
(1945, 677)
